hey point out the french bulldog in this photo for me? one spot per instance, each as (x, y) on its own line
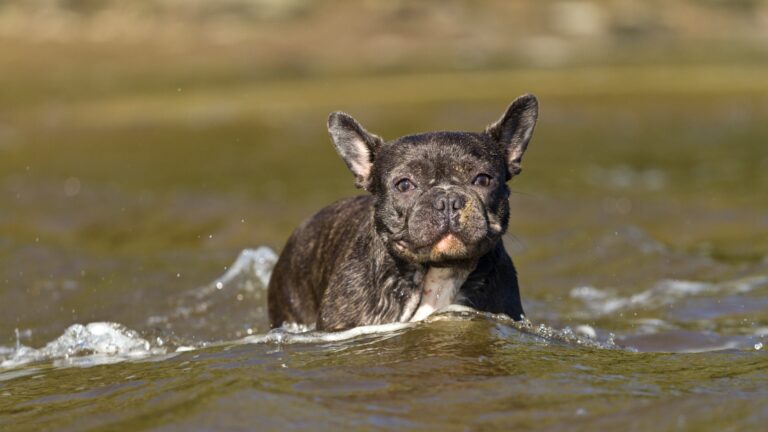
(427, 234)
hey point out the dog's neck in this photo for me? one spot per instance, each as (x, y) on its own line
(428, 289)
(439, 290)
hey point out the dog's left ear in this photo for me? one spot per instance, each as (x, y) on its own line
(514, 130)
(355, 145)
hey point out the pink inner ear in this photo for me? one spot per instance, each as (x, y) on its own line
(519, 145)
(360, 163)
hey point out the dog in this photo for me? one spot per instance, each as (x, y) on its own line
(427, 234)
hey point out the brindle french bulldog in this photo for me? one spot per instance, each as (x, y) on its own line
(427, 236)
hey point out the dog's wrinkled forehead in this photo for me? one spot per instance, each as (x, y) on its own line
(439, 155)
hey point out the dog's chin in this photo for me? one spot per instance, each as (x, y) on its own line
(447, 251)
(449, 247)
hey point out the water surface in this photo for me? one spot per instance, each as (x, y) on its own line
(639, 228)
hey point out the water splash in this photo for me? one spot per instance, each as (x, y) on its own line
(229, 307)
(293, 334)
(569, 336)
(101, 342)
(106, 342)
(251, 263)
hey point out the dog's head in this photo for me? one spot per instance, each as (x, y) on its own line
(440, 197)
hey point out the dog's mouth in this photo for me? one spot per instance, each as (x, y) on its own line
(428, 236)
(448, 247)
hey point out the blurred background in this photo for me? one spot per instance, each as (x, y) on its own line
(144, 144)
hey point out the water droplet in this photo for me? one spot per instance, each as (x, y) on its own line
(219, 285)
(758, 346)
(178, 275)
(71, 186)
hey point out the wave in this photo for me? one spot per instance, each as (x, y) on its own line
(663, 293)
(84, 345)
(107, 342)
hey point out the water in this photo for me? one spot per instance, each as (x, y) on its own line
(133, 267)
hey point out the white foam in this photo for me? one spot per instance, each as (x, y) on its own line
(297, 328)
(584, 335)
(724, 346)
(283, 336)
(646, 326)
(586, 330)
(106, 342)
(581, 337)
(665, 292)
(291, 333)
(101, 342)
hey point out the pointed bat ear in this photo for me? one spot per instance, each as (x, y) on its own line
(514, 130)
(356, 146)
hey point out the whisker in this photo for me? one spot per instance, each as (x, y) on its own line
(512, 191)
(517, 240)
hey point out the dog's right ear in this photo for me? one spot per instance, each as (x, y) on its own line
(356, 146)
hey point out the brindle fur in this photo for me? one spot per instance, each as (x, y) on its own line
(362, 260)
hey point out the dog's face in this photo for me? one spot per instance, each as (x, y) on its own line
(441, 197)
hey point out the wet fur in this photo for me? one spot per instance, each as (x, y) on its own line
(365, 260)
(364, 284)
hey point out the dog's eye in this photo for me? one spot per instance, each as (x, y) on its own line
(483, 180)
(404, 185)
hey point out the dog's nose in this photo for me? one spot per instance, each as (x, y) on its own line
(450, 203)
(441, 203)
(457, 202)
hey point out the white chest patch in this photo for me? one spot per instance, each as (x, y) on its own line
(439, 290)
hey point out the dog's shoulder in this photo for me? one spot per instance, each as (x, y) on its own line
(355, 206)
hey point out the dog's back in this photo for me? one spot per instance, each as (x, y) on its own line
(298, 282)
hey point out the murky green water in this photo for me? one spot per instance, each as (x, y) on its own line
(641, 213)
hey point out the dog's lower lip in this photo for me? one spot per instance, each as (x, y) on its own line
(448, 243)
